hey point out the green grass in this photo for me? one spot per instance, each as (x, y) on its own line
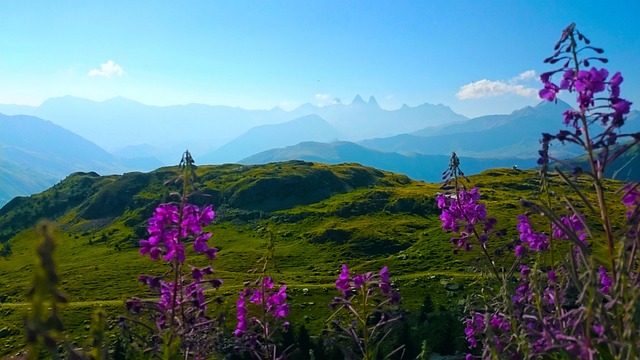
(320, 215)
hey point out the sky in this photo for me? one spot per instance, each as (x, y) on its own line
(478, 57)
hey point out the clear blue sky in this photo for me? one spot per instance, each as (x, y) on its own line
(261, 54)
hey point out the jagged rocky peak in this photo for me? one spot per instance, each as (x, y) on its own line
(357, 100)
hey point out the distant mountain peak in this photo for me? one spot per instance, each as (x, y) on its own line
(120, 100)
(549, 104)
(357, 100)
(372, 101)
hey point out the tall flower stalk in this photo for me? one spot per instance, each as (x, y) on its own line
(182, 325)
(573, 306)
(261, 311)
(365, 312)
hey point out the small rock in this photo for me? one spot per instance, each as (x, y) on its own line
(453, 286)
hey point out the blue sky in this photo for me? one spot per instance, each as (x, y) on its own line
(478, 57)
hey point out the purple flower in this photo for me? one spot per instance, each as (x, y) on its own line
(614, 84)
(549, 295)
(463, 209)
(276, 303)
(620, 106)
(571, 117)
(498, 322)
(520, 251)
(536, 241)
(241, 315)
(592, 81)
(256, 297)
(358, 281)
(385, 282)
(175, 251)
(474, 326)
(196, 274)
(567, 80)
(605, 281)
(342, 283)
(599, 329)
(167, 232)
(549, 91)
(631, 198)
(575, 224)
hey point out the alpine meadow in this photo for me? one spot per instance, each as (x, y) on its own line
(325, 230)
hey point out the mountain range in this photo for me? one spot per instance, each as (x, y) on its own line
(493, 136)
(36, 153)
(118, 123)
(265, 137)
(416, 166)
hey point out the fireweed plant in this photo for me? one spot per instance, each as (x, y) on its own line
(177, 324)
(365, 313)
(261, 310)
(44, 325)
(558, 299)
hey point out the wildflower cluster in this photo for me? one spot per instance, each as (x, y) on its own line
(180, 312)
(171, 226)
(270, 308)
(462, 214)
(573, 306)
(364, 311)
(608, 109)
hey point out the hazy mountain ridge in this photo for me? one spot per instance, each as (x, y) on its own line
(492, 136)
(625, 168)
(116, 123)
(517, 134)
(36, 153)
(265, 137)
(416, 166)
(40, 153)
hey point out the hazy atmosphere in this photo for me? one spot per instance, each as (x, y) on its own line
(478, 57)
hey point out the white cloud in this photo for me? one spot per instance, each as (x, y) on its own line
(490, 88)
(487, 88)
(526, 75)
(108, 69)
(326, 99)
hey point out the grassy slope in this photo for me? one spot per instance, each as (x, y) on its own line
(321, 216)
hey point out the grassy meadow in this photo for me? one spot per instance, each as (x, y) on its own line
(319, 216)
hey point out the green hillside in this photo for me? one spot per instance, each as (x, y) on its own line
(319, 215)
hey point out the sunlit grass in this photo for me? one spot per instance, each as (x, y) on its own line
(369, 219)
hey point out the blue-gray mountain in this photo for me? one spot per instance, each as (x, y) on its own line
(515, 135)
(35, 154)
(265, 137)
(118, 123)
(417, 166)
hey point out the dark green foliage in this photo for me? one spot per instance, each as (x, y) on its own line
(6, 249)
(426, 308)
(444, 332)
